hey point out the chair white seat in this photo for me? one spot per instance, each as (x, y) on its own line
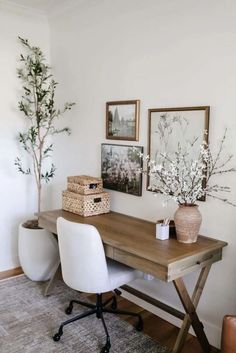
(119, 274)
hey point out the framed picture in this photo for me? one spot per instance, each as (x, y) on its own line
(169, 127)
(122, 120)
(120, 166)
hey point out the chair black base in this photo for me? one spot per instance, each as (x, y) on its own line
(99, 308)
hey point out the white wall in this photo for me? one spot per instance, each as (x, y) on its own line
(167, 54)
(17, 192)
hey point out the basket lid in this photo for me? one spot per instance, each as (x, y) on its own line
(83, 179)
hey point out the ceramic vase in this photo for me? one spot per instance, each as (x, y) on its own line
(38, 253)
(187, 220)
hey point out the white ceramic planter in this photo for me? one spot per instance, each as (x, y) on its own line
(38, 253)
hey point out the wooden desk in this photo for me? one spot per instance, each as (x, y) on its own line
(132, 241)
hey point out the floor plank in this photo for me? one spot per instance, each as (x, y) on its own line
(155, 327)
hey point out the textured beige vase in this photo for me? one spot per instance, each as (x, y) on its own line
(188, 220)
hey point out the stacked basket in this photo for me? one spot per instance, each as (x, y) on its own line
(85, 196)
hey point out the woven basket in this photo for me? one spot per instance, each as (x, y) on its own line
(84, 184)
(86, 205)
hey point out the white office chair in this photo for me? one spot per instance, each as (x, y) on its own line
(86, 269)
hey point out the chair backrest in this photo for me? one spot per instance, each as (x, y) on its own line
(83, 260)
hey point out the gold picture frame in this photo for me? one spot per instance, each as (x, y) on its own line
(122, 120)
(197, 118)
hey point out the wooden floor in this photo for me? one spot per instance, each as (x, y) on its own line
(155, 327)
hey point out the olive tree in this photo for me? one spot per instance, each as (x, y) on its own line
(38, 107)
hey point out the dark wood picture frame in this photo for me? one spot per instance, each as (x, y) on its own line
(123, 127)
(119, 170)
(204, 109)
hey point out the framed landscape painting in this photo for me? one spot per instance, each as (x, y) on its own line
(120, 168)
(122, 120)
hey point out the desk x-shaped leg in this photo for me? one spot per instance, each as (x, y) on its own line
(191, 317)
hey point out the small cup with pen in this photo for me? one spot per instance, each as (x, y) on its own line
(162, 229)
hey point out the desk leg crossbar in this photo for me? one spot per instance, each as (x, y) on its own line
(191, 317)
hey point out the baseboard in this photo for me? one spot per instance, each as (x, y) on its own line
(213, 332)
(11, 273)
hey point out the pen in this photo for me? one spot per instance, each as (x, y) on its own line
(166, 222)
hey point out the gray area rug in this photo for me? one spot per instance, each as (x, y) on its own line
(28, 320)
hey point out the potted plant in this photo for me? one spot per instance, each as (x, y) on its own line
(38, 250)
(183, 175)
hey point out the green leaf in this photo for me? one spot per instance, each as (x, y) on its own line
(18, 164)
(47, 151)
(49, 175)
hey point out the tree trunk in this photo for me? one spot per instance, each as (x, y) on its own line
(39, 196)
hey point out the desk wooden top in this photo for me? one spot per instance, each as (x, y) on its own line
(132, 241)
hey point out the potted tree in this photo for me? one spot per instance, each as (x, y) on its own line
(38, 250)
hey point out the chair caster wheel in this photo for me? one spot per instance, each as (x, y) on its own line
(57, 337)
(106, 348)
(114, 304)
(68, 310)
(139, 326)
(118, 292)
